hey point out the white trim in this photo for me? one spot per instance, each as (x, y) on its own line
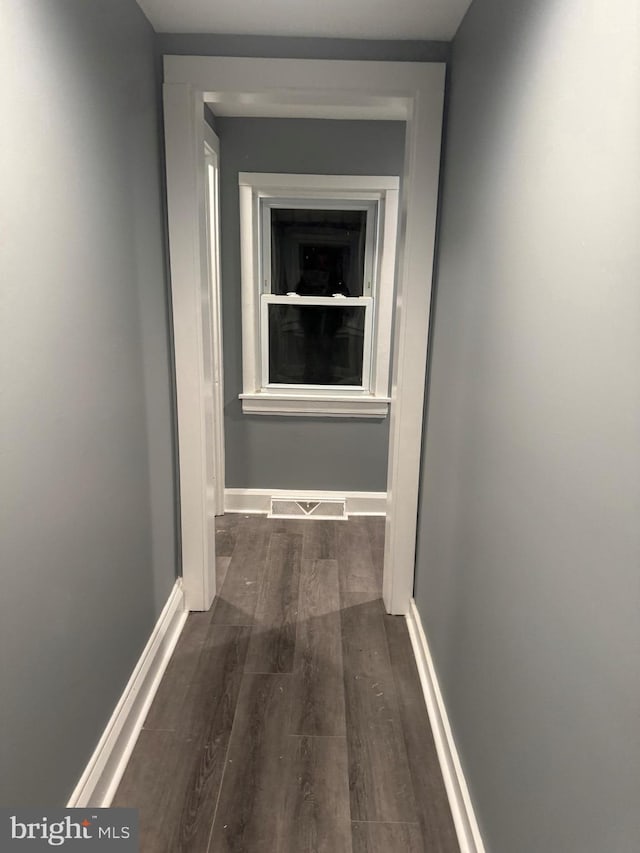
(102, 775)
(249, 272)
(318, 404)
(254, 501)
(411, 334)
(376, 194)
(388, 231)
(464, 818)
(330, 186)
(413, 91)
(186, 207)
(215, 408)
(305, 88)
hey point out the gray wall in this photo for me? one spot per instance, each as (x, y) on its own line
(290, 452)
(88, 547)
(210, 118)
(211, 44)
(529, 549)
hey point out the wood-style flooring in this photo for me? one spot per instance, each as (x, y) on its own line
(291, 718)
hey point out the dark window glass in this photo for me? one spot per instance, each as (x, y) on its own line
(317, 252)
(316, 344)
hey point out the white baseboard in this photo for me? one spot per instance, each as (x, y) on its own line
(102, 775)
(259, 500)
(464, 818)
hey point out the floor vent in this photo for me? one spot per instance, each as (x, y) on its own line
(334, 510)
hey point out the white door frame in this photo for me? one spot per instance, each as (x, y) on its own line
(409, 91)
(215, 411)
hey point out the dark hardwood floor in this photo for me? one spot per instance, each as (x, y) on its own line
(290, 718)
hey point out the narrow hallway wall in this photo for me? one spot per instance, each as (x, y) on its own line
(87, 512)
(529, 545)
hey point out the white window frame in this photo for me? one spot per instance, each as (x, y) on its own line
(378, 195)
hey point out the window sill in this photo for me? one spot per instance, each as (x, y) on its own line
(315, 405)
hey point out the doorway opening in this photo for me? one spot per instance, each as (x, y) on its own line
(410, 92)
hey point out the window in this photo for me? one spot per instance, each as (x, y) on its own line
(318, 257)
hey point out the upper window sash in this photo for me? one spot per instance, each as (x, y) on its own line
(369, 202)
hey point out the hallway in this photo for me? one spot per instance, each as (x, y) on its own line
(291, 717)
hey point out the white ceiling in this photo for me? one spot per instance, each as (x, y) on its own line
(365, 19)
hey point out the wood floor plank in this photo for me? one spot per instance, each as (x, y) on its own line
(189, 697)
(273, 638)
(210, 700)
(190, 828)
(364, 640)
(225, 541)
(316, 815)
(317, 702)
(289, 525)
(168, 700)
(222, 567)
(320, 540)
(252, 794)
(158, 780)
(236, 600)
(375, 525)
(379, 779)
(388, 838)
(434, 814)
(189, 758)
(144, 787)
(208, 716)
(357, 570)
